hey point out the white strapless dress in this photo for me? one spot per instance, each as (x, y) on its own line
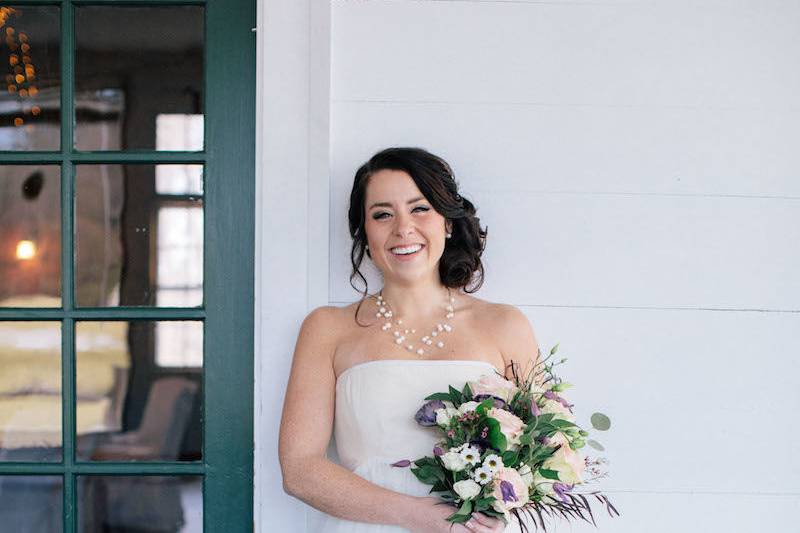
(374, 424)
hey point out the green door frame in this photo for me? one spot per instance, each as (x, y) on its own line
(229, 195)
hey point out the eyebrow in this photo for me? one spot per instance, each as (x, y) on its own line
(387, 204)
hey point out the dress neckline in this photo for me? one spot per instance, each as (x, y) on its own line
(412, 362)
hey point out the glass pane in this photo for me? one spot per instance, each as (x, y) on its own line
(30, 236)
(31, 504)
(30, 391)
(179, 179)
(30, 99)
(120, 504)
(128, 409)
(134, 245)
(139, 77)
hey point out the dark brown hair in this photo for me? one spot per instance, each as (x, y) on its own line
(460, 265)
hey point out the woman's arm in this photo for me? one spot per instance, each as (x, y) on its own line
(518, 340)
(306, 426)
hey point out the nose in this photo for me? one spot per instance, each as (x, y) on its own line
(403, 225)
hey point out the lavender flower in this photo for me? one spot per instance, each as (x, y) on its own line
(426, 416)
(550, 395)
(507, 490)
(499, 403)
(560, 489)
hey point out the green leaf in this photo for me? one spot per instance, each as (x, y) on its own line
(484, 406)
(600, 422)
(463, 514)
(511, 459)
(443, 396)
(560, 423)
(496, 437)
(466, 508)
(455, 396)
(549, 474)
(467, 393)
(427, 461)
(554, 349)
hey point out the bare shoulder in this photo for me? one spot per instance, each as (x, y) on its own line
(322, 326)
(515, 335)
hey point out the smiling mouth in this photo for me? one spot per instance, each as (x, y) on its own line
(406, 251)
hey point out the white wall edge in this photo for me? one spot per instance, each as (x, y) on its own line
(292, 218)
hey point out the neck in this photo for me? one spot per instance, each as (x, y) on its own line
(417, 301)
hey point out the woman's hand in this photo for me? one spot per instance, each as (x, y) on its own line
(429, 515)
(481, 523)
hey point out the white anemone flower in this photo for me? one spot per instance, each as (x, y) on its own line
(482, 475)
(493, 462)
(471, 455)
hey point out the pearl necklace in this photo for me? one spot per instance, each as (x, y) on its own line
(385, 311)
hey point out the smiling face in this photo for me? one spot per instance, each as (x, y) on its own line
(399, 220)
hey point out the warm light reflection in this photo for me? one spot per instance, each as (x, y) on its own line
(26, 250)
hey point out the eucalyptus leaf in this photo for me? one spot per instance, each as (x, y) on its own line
(596, 445)
(600, 422)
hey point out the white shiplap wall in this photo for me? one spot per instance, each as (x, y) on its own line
(639, 162)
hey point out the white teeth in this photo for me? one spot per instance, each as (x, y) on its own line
(407, 250)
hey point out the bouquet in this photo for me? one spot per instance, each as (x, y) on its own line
(510, 447)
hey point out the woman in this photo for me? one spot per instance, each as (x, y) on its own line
(371, 363)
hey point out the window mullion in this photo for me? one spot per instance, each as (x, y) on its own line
(67, 265)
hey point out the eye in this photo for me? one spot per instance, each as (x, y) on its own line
(424, 208)
(379, 215)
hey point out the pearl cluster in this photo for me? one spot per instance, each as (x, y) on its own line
(385, 311)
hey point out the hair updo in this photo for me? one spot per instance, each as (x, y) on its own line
(460, 265)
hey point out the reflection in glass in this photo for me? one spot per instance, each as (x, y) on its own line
(136, 70)
(119, 504)
(30, 96)
(179, 179)
(30, 236)
(136, 246)
(127, 409)
(31, 504)
(30, 391)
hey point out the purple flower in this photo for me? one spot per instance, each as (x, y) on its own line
(534, 408)
(550, 395)
(426, 416)
(560, 489)
(507, 489)
(402, 463)
(499, 403)
(437, 451)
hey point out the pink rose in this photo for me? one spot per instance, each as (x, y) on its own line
(509, 490)
(493, 385)
(510, 425)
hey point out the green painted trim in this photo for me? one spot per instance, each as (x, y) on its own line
(111, 313)
(148, 156)
(230, 228)
(143, 156)
(81, 468)
(229, 204)
(32, 158)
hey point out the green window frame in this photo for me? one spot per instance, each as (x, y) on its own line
(227, 313)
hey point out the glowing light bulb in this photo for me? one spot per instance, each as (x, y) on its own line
(26, 250)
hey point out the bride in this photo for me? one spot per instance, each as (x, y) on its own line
(360, 372)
